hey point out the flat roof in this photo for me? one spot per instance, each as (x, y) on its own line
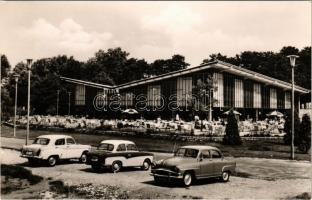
(88, 83)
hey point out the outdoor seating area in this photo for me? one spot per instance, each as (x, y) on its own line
(267, 127)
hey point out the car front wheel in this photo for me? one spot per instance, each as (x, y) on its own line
(187, 179)
(83, 158)
(146, 165)
(225, 176)
(52, 161)
(116, 166)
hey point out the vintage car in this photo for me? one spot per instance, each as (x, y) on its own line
(52, 148)
(116, 154)
(193, 162)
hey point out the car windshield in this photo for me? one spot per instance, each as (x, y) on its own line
(42, 141)
(186, 152)
(106, 147)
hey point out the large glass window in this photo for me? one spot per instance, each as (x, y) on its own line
(287, 100)
(102, 98)
(126, 99)
(239, 93)
(80, 95)
(273, 98)
(153, 95)
(184, 90)
(257, 95)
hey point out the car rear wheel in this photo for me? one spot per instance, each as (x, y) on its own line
(146, 165)
(225, 176)
(52, 161)
(187, 179)
(116, 166)
(83, 158)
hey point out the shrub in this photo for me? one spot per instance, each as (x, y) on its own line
(304, 137)
(287, 129)
(231, 131)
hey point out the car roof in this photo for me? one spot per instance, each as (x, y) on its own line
(117, 142)
(54, 137)
(200, 147)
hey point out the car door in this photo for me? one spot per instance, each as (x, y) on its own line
(133, 158)
(121, 154)
(72, 150)
(206, 165)
(217, 161)
(60, 148)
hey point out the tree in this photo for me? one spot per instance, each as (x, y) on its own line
(231, 131)
(5, 66)
(287, 129)
(304, 136)
(202, 92)
(162, 66)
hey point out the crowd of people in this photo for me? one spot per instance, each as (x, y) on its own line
(272, 127)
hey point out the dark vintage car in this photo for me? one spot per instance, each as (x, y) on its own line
(193, 162)
(116, 154)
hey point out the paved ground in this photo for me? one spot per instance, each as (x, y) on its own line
(257, 178)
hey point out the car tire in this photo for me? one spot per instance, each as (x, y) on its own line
(52, 161)
(187, 179)
(116, 166)
(225, 177)
(83, 157)
(146, 165)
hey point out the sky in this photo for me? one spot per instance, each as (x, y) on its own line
(151, 30)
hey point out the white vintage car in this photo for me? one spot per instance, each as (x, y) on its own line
(52, 148)
(116, 154)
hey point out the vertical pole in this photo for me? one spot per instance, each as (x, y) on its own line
(57, 102)
(292, 114)
(69, 103)
(15, 108)
(210, 106)
(28, 106)
(0, 94)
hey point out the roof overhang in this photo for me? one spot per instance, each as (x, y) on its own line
(86, 83)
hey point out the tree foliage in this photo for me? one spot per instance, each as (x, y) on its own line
(231, 131)
(5, 66)
(287, 129)
(273, 64)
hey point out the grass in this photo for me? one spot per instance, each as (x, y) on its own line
(255, 148)
(16, 178)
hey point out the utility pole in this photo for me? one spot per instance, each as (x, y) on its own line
(29, 61)
(16, 76)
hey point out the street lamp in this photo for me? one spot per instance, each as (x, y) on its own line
(69, 93)
(0, 93)
(16, 76)
(29, 61)
(292, 59)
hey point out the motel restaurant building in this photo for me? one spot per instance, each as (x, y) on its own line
(252, 94)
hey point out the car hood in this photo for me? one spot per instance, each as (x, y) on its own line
(99, 152)
(176, 161)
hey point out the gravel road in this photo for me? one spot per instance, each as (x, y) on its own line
(257, 179)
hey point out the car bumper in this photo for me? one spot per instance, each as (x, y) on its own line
(180, 176)
(33, 157)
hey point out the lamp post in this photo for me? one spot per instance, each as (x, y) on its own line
(292, 59)
(69, 103)
(29, 61)
(16, 76)
(0, 93)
